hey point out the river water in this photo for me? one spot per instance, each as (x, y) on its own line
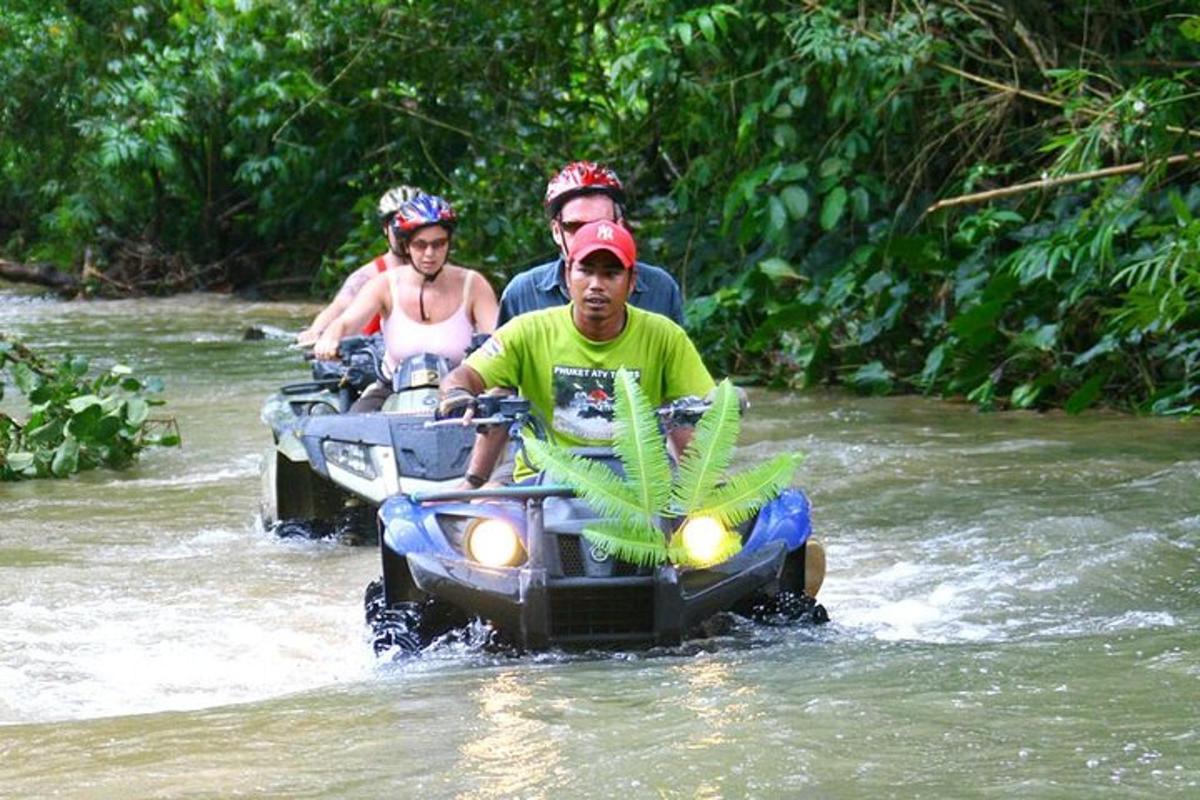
(1014, 599)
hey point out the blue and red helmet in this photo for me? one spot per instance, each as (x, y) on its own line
(421, 212)
(581, 178)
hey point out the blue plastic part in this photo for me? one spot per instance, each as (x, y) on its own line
(786, 517)
(410, 527)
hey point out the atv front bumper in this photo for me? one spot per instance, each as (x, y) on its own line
(539, 610)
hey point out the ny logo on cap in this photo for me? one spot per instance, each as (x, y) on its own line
(605, 233)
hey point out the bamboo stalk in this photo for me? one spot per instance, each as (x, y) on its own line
(1046, 183)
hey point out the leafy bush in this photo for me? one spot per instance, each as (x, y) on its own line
(794, 164)
(75, 422)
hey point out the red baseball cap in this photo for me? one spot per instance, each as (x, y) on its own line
(604, 235)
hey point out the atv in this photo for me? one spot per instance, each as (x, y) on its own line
(330, 468)
(516, 557)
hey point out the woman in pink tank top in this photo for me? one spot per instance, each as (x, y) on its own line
(435, 307)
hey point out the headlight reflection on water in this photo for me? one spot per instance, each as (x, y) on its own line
(515, 753)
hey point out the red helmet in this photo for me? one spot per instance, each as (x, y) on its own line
(582, 178)
(421, 212)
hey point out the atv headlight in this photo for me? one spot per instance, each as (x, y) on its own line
(351, 457)
(494, 543)
(705, 541)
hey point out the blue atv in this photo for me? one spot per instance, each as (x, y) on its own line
(330, 469)
(516, 557)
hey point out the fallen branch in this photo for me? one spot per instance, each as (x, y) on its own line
(42, 274)
(1047, 183)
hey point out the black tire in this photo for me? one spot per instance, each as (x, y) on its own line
(406, 628)
(787, 603)
(300, 503)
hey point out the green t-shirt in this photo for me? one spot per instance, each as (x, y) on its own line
(568, 379)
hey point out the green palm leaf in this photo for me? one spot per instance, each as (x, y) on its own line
(638, 444)
(749, 491)
(639, 545)
(604, 491)
(707, 456)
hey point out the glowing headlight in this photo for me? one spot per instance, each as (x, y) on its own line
(705, 541)
(494, 543)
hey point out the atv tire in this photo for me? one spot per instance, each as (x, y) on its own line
(407, 628)
(790, 602)
(297, 502)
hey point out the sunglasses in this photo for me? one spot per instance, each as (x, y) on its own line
(572, 228)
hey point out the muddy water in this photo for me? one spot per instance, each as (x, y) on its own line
(1014, 600)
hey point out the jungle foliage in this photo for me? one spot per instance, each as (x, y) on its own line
(76, 420)
(784, 159)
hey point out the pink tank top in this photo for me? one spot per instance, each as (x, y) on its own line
(404, 337)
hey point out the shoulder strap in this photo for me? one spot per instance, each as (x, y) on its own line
(381, 263)
(467, 287)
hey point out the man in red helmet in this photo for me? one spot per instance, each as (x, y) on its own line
(564, 359)
(580, 193)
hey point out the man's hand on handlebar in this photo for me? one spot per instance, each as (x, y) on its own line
(457, 402)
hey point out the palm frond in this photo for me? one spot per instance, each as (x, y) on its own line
(707, 456)
(635, 544)
(639, 445)
(749, 491)
(604, 491)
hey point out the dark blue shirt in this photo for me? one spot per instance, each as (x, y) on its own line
(545, 286)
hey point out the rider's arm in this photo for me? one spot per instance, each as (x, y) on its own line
(322, 320)
(373, 299)
(488, 446)
(462, 377)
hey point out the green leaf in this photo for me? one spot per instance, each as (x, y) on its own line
(595, 483)
(82, 426)
(747, 492)
(637, 545)
(933, 366)
(708, 455)
(136, 411)
(834, 206)
(872, 378)
(639, 445)
(1043, 338)
(25, 378)
(1024, 395)
(78, 404)
(20, 460)
(66, 458)
(795, 199)
(778, 216)
(777, 269)
(1086, 395)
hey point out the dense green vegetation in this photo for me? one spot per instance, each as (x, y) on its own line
(783, 157)
(75, 421)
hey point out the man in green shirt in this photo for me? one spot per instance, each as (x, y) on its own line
(563, 360)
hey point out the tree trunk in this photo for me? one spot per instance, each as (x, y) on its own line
(42, 274)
